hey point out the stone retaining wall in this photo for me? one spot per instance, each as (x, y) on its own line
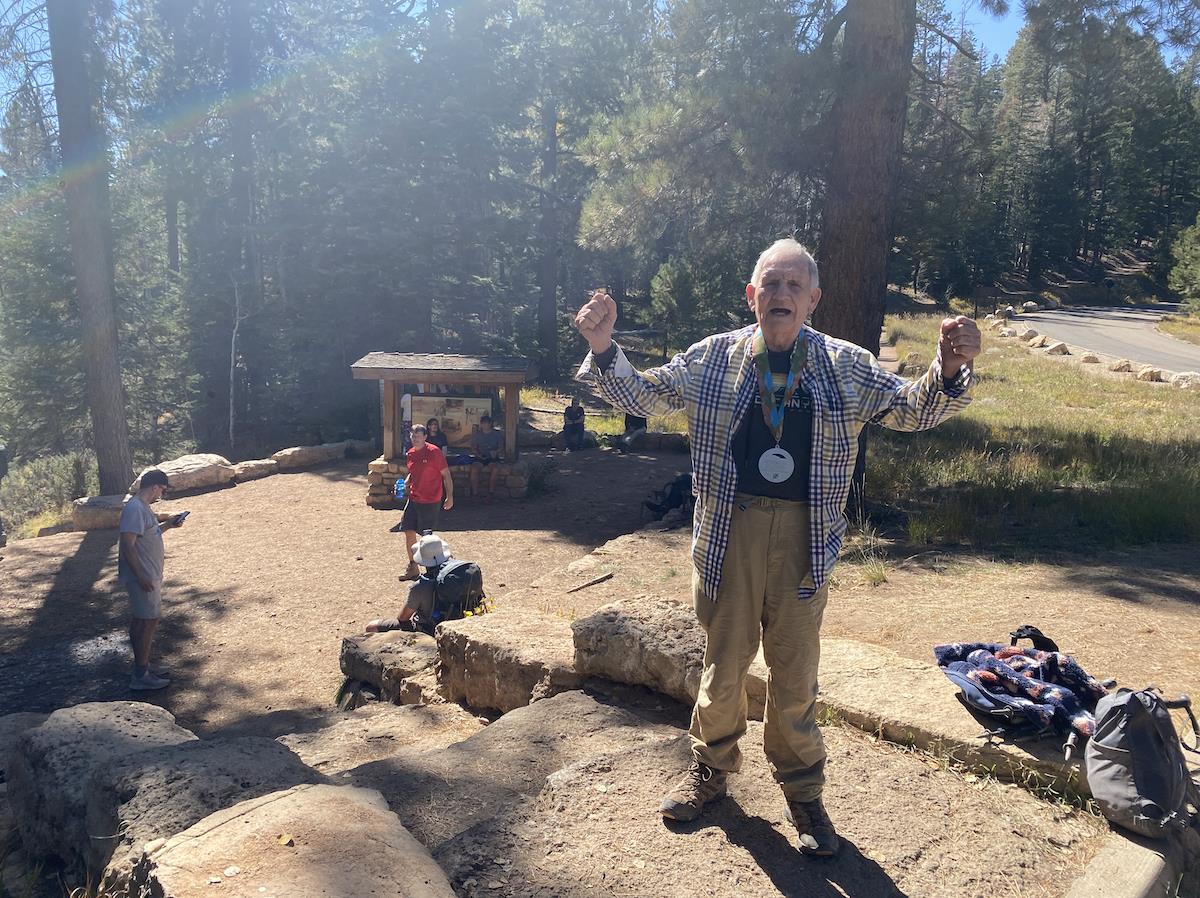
(382, 474)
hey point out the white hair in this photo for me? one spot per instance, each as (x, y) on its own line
(788, 246)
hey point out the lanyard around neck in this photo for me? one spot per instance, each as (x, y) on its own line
(773, 411)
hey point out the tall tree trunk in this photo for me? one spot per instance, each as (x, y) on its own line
(548, 269)
(171, 204)
(85, 183)
(241, 133)
(867, 133)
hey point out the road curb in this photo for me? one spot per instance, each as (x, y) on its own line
(1132, 867)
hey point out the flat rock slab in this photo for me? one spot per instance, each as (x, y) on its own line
(158, 793)
(298, 457)
(301, 843)
(501, 661)
(193, 472)
(909, 827)
(380, 731)
(100, 512)
(912, 703)
(254, 469)
(52, 767)
(388, 661)
(443, 792)
(657, 643)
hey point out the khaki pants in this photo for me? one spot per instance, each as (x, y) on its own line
(766, 560)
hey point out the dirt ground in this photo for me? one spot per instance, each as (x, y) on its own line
(267, 576)
(265, 579)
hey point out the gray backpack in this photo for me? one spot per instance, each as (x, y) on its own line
(1136, 767)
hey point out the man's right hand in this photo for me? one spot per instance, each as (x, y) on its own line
(146, 585)
(596, 321)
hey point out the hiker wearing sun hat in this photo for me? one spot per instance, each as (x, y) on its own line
(430, 552)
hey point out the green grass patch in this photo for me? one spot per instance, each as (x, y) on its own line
(38, 493)
(1048, 454)
(1185, 327)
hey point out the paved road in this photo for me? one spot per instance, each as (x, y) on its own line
(1126, 333)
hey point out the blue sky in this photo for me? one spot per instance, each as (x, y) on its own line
(995, 35)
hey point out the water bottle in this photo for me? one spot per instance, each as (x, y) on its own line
(400, 493)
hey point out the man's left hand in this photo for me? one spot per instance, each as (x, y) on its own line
(448, 504)
(960, 342)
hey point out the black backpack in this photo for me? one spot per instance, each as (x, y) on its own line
(1136, 767)
(458, 591)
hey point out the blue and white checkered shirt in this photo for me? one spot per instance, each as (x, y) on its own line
(715, 382)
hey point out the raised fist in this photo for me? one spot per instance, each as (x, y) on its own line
(959, 343)
(596, 321)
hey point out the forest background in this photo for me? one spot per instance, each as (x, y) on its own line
(281, 187)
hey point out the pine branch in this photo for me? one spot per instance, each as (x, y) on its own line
(965, 51)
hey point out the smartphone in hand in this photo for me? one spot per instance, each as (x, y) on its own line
(181, 517)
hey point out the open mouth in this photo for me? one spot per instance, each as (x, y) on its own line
(780, 313)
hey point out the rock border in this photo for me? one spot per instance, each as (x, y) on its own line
(104, 512)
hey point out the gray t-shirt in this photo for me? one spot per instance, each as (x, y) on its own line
(137, 518)
(487, 445)
(422, 595)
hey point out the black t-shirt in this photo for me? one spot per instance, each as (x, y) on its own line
(754, 437)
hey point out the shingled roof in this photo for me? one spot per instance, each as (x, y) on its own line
(426, 367)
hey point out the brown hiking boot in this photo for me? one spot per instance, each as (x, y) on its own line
(700, 785)
(817, 836)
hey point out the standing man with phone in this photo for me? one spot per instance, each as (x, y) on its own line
(140, 567)
(774, 411)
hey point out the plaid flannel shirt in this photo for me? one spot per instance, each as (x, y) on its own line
(715, 382)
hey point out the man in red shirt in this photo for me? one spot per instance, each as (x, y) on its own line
(428, 474)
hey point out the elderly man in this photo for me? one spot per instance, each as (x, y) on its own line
(774, 411)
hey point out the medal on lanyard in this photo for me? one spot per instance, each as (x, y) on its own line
(777, 465)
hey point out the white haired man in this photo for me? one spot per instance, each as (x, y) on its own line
(774, 411)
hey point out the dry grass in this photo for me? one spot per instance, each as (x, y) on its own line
(1184, 327)
(1047, 453)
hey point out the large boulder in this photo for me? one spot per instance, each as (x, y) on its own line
(305, 841)
(1038, 342)
(1186, 380)
(193, 472)
(254, 469)
(501, 661)
(1008, 332)
(1058, 348)
(1090, 358)
(299, 457)
(100, 512)
(1123, 366)
(654, 643)
(1026, 334)
(1150, 374)
(157, 793)
(52, 766)
(388, 661)
(1030, 306)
